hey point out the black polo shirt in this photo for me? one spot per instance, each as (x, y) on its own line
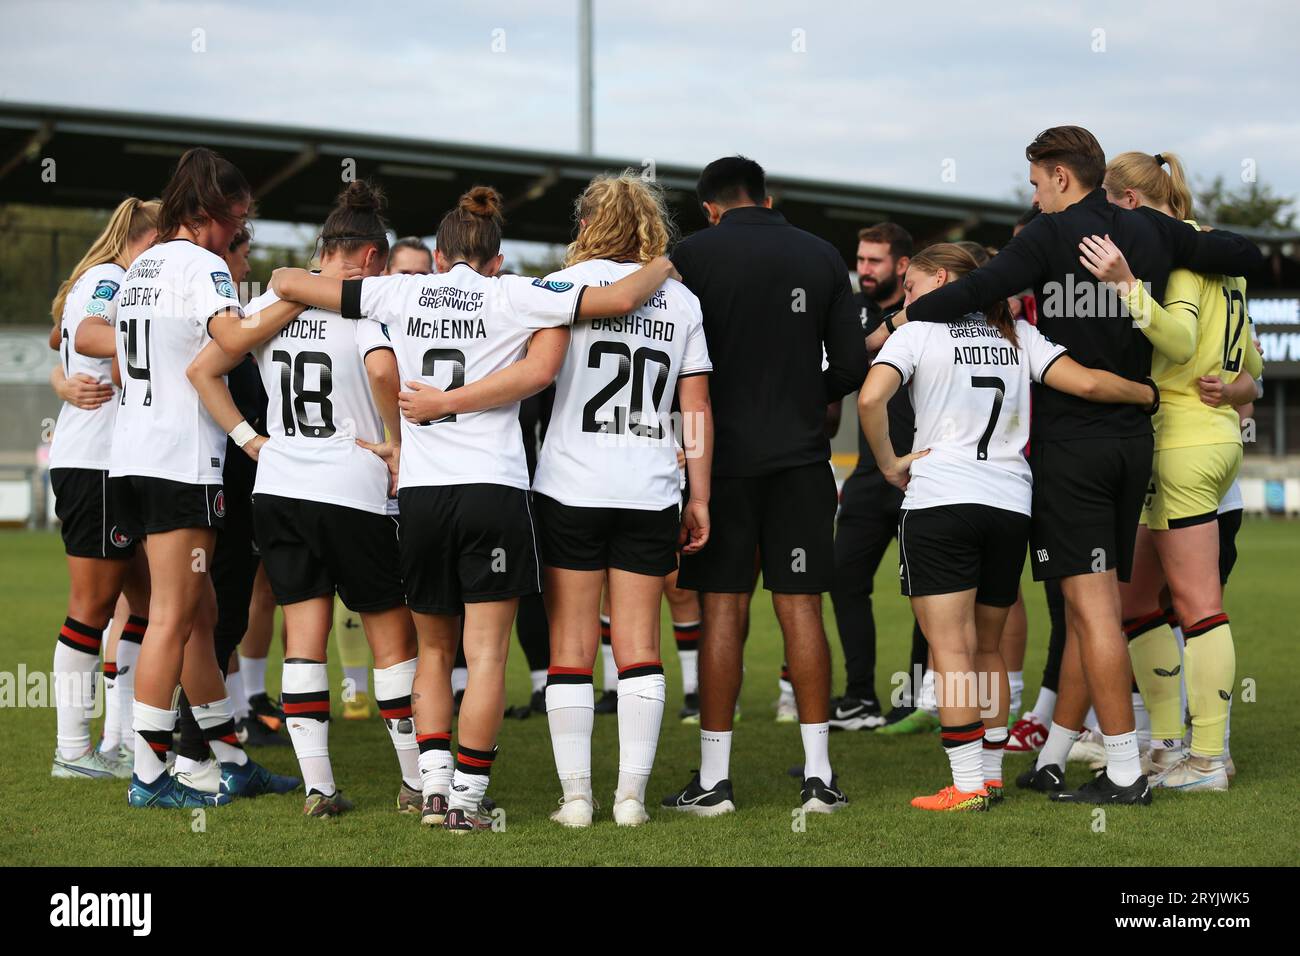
(772, 296)
(902, 417)
(1077, 311)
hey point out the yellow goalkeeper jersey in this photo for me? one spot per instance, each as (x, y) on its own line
(1216, 306)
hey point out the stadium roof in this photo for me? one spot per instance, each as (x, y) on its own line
(102, 156)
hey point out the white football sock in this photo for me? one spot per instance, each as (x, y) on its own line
(1142, 720)
(785, 687)
(128, 652)
(640, 713)
(926, 700)
(1045, 706)
(253, 671)
(690, 665)
(715, 757)
(150, 764)
(459, 679)
(217, 721)
(570, 713)
(538, 680)
(1017, 681)
(467, 790)
(1057, 748)
(393, 697)
(1090, 721)
(1123, 764)
(436, 764)
(74, 675)
(112, 734)
(995, 742)
(305, 689)
(235, 691)
(816, 751)
(967, 761)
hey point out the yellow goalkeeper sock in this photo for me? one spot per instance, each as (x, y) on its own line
(1158, 671)
(1211, 666)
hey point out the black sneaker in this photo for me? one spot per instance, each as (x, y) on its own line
(850, 713)
(1100, 790)
(257, 734)
(268, 711)
(818, 797)
(608, 703)
(536, 705)
(466, 821)
(434, 810)
(693, 798)
(897, 714)
(1050, 779)
(690, 712)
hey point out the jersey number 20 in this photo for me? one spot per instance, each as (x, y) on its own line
(630, 365)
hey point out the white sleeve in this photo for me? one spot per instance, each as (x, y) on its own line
(210, 289)
(541, 303)
(371, 335)
(902, 350)
(1040, 351)
(102, 304)
(383, 297)
(695, 356)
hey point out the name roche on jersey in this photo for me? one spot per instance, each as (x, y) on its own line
(304, 329)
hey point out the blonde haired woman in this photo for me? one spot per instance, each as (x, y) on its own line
(1197, 456)
(99, 553)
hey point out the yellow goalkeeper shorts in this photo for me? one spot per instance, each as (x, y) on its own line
(1188, 483)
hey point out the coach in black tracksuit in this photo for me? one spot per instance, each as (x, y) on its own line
(773, 297)
(1091, 462)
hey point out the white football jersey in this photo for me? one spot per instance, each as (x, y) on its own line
(318, 405)
(456, 327)
(83, 438)
(162, 429)
(610, 442)
(970, 389)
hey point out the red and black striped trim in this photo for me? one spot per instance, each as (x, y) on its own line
(224, 732)
(159, 741)
(605, 631)
(314, 705)
(469, 760)
(81, 637)
(1204, 624)
(133, 632)
(1171, 617)
(110, 670)
(640, 669)
(785, 672)
(567, 675)
(687, 636)
(395, 708)
(995, 744)
(1135, 627)
(427, 742)
(965, 734)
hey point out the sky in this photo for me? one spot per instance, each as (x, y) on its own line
(932, 96)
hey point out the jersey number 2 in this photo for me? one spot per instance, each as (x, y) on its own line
(457, 359)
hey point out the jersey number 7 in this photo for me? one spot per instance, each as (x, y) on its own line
(1000, 389)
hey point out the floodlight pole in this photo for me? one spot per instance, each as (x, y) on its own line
(585, 124)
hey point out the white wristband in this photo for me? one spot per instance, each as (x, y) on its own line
(242, 434)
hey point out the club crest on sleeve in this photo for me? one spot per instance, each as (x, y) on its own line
(96, 307)
(552, 285)
(105, 289)
(223, 284)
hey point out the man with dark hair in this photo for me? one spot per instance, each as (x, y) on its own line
(868, 517)
(1091, 462)
(409, 256)
(781, 329)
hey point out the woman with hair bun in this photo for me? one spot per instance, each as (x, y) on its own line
(468, 546)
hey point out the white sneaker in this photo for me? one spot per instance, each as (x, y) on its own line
(574, 813)
(629, 812)
(1195, 773)
(787, 712)
(1158, 760)
(206, 777)
(1088, 749)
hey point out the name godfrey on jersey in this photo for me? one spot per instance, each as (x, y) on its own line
(448, 297)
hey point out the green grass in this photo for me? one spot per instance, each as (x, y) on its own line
(44, 821)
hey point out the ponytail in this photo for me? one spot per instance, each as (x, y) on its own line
(132, 219)
(1144, 173)
(472, 231)
(205, 186)
(623, 218)
(958, 261)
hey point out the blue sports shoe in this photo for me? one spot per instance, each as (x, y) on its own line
(170, 794)
(253, 780)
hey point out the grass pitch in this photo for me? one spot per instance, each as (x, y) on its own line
(75, 823)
